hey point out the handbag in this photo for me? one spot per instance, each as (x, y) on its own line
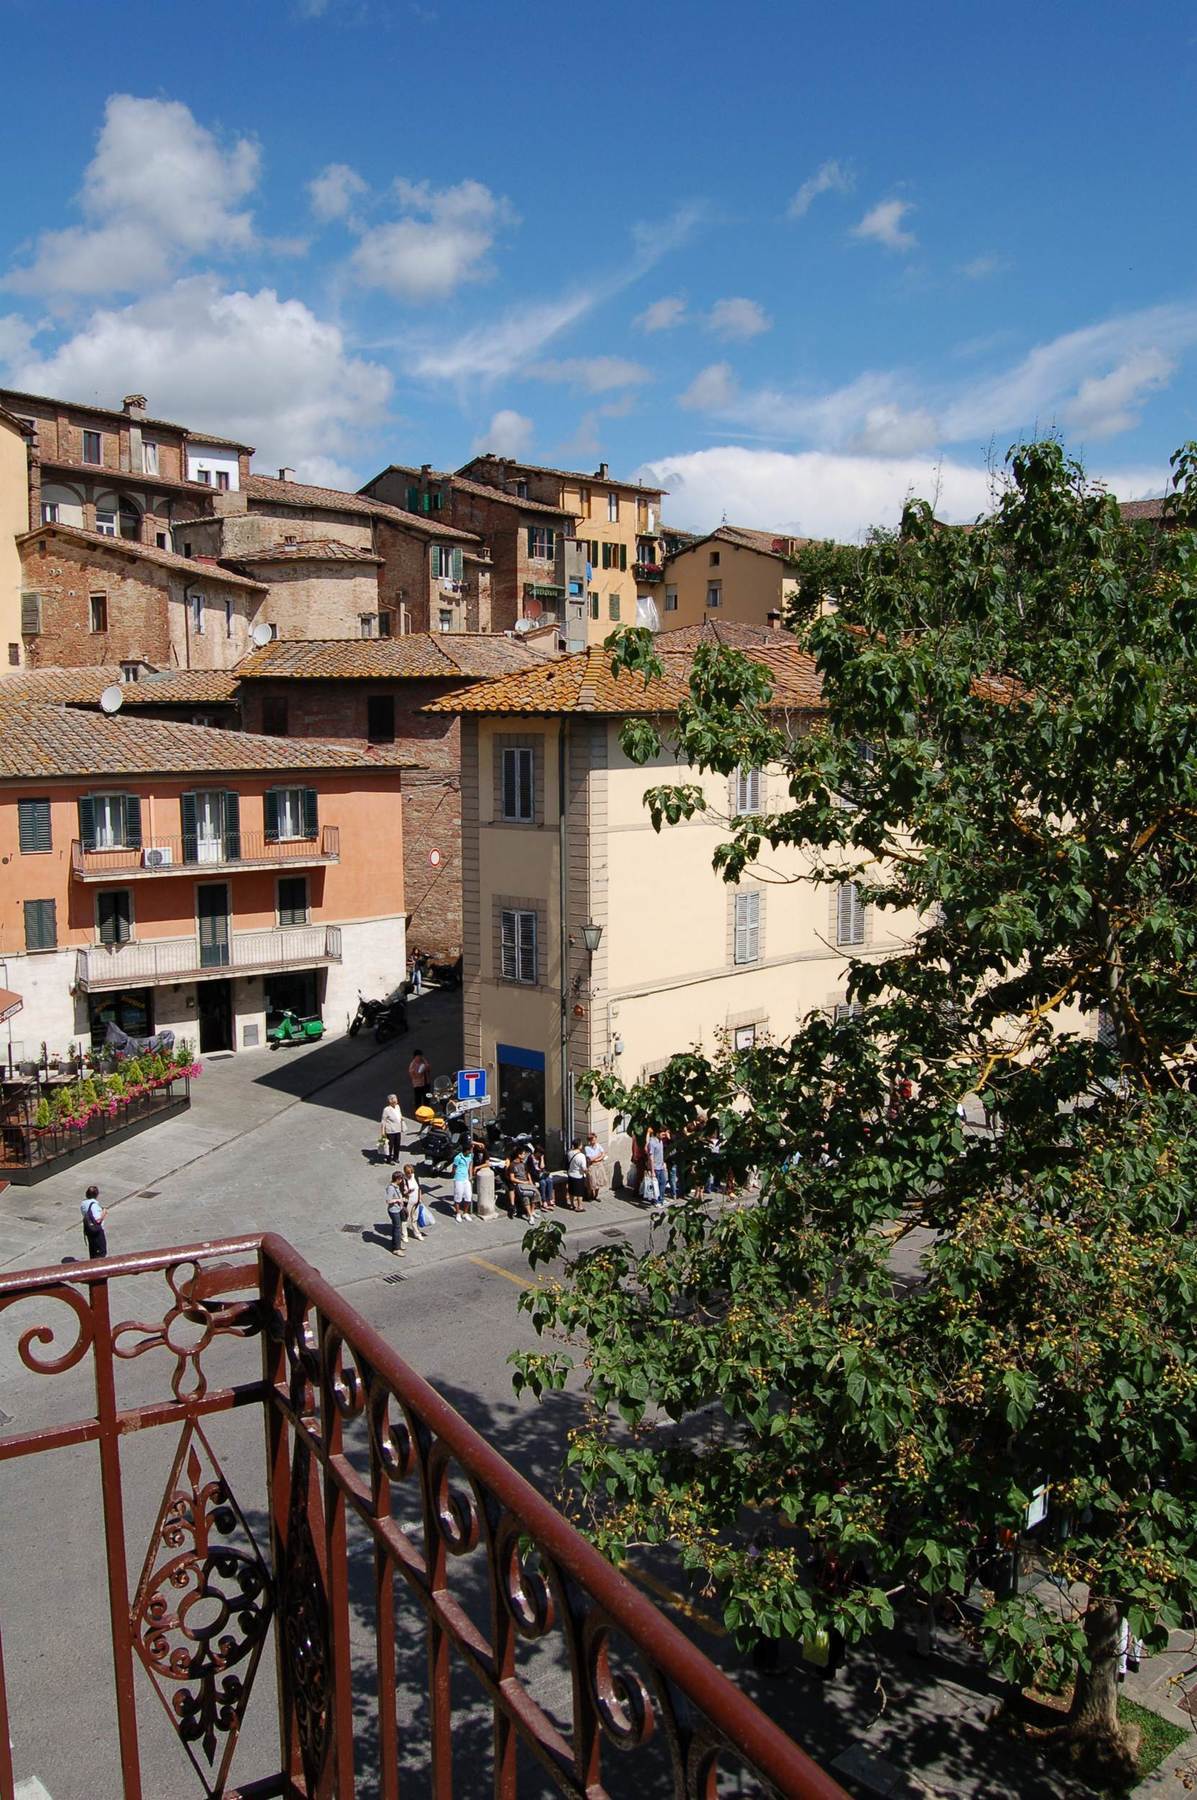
(648, 1187)
(423, 1220)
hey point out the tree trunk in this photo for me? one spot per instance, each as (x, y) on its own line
(1094, 1711)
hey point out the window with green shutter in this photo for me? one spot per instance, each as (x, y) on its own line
(623, 557)
(33, 827)
(110, 821)
(293, 900)
(41, 925)
(114, 915)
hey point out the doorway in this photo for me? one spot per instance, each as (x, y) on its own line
(212, 911)
(214, 1006)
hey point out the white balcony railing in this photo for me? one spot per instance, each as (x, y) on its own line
(157, 960)
(163, 855)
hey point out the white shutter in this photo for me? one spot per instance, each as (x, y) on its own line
(850, 918)
(748, 791)
(527, 928)
(747, 946)
(507, 953)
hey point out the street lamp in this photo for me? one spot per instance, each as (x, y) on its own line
(591, 937)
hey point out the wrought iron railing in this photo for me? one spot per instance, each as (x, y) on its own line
(175, 959)
(164, 855)
(468, 1564)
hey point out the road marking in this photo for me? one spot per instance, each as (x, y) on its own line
(505, 1273)
(695, 1613)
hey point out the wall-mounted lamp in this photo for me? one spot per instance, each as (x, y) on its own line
(592, 937)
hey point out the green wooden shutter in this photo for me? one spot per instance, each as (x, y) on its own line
(87, 822)
(132, 822)
(190, 832)
(271, 811)
(623, 556)
(41, 925)
(457, 564)
(33, 826)
(311, 816)
(232, 825)
(531, 540)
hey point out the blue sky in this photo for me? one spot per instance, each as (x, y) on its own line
(790, 262)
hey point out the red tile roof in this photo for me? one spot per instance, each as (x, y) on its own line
(419, 656)
(322, 499)
(579, 475)
(310, 550)
(479, 489)
(108, 412)
(737, 633)
(74, 537)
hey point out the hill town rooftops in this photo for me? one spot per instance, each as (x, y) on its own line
(9, 395)
(74, 537)
(600, 475)
(322, 499)
(479, 489)
(419, 656)
(311, 550)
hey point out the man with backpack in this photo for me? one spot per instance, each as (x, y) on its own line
(93, 1222)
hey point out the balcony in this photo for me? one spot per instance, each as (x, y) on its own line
(154, 961)
(162, 856)
(359, 1558)
(647, 571)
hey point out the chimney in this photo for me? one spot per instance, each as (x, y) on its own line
(286, 474)
(774, 618)
(134, 406)
(601, 472)
(425, 471)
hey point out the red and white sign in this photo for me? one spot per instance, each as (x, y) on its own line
(435, 858)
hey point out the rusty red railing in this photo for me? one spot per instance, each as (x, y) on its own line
(569, 1661)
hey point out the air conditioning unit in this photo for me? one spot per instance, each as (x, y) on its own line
(157, 856)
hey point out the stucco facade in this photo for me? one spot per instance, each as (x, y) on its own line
(14, 514)
(733, 574)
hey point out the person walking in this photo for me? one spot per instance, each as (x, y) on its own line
(397, 1211)
(419, 1073)
(596, 1167)
(462, 1171)
(390, 1127)
(575, 1170)
(417, 974)
(655, 1150)
(93, 1222)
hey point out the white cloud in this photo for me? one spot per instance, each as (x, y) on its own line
(250, 366)
(982, 266)
(334, 190)
(713, 389)
(501, 346)
(597, 374)
(662, 315)
(440, 243)
(738, 318)
(508, 434)
(828, 178)
(158, 190)
(883, 225)
(1105, 404)
(16, 338)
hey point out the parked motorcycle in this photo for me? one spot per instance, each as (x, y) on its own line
(293, 1030)
(445, 974)
(368, 1010)
(391, 1021)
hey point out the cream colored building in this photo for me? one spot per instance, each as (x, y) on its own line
(556, 840)
(14, 519)
(733, 573)
(619, 526)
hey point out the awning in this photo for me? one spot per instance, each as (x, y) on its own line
(10, 1003)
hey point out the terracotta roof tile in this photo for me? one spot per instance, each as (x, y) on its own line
(181, 687)
(1133, 510)
(166, 559)
(420, 656)
(747, 537)
(58, 684)
(580, 475)
(737, 633)
(198, 490)
(300, 493)
(479, 489)
(109, 412)
(311, 550)
(38, 741)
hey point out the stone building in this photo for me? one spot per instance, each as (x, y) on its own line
(733, 573)
(373, 695)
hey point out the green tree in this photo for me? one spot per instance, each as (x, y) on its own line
(1009, 754)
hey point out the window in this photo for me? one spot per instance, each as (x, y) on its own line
(520, 489)
(204, 475)
(130, 671)
(748, 791)
(607, 553)
(849, 915)
(593, 552)
(613, 508)
(211, 822)
(14, 655)
(162, 541)
(575, 588)
(446, 562)
(49, 512)
(106, 521)
(542, 541)
(744, 1037)
(843, 1010)
(670, 599)
(41, 925)
(366, 623)
(517, 938)
(274, 715)
(747, 946)
(380, 719)
(114, 915)
(714, 559)
(98, 604)
(293, 900)
(195, 602)
(291, 813)
(33, 827)
(93, 447)
(31, 614)
(228, 618)
(385, 620)
(222, 480)
(187, 548)
(149, 458)
(613, 607)
(594, 604)
(714, 593)
(110, 821)
(129, 520)
(519, 786)
(444, 621)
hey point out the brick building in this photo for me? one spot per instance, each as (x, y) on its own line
(91, 599)
(533, 555)
(371, 695)
(168, 876)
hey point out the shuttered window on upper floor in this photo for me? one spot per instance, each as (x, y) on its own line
(33, 827)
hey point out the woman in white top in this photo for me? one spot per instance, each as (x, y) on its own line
(391, 1127)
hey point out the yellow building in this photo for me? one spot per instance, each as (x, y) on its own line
(14, 519)
(733, 573)
(592, 941)
(619, 526)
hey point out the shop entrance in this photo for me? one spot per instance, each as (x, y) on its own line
(298, 991)
(521, 1089)
(214, 1006)
(132, 1010)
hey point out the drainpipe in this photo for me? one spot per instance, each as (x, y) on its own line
(562, 893)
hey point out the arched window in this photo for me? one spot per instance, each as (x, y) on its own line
(129, 519)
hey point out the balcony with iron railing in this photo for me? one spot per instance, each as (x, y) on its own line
(151, 961)
(648, 571)
(356, 1594)
(162, 856)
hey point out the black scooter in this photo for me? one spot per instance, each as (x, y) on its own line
(370, 1011)
(391, 1021)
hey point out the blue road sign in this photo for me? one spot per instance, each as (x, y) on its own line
(471, 1084)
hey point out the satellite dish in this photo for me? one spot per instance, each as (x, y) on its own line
(111, 700)
(261, 635)
(526, 624)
